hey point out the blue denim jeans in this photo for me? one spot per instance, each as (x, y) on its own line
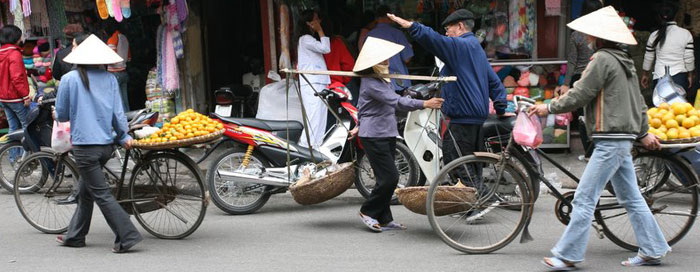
(611, 161)
(16, 119)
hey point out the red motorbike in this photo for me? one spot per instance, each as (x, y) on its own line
(242, 178)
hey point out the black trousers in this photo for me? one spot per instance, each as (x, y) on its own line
(380, 153)
(94, 189)
(469, 139)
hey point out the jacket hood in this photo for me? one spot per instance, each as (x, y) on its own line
(624, 59)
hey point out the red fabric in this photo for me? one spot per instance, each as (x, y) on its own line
(339, 59)
(13, 76)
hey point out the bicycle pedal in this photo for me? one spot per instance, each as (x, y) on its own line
(598, 231)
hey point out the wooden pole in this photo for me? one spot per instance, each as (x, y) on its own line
(352, 74)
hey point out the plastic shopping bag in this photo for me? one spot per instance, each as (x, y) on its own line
(527, 130)
(60, 137)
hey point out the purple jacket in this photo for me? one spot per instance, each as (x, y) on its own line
(377, 106)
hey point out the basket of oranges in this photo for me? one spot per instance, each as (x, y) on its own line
(187, 128)
(675, 123)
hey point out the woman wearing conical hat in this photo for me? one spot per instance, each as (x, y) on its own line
(615, 118)
(377, 128)
(89, 98)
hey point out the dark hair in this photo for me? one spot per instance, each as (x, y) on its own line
(82, 68)
(667, 13)
(367, 18)
(72, 30)
(44, 47)
(381, 11)
(302, 28)
(589, 6)
(10, 34)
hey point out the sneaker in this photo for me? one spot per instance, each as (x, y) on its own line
(640, 261)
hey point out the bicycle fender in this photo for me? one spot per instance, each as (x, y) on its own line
(487, 154)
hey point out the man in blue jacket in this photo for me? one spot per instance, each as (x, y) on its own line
(467, 99)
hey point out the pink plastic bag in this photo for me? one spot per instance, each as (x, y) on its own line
(527, 130)
(60, 137)
(564, 119)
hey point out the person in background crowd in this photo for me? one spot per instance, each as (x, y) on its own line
(616, 117)
(467, 100)
(59, 66)
(339, 59)
(689, 18)
(579, 52)
(368, 23)
(671, 46)
(397, 64)
(313, 43)
(120, 44)
(377, 129)
(14, 87)
(89, 98)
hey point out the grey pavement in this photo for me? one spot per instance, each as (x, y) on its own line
(285, 236)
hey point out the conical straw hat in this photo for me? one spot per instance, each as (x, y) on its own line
(374, 51)
(92, 51)
(605, 24)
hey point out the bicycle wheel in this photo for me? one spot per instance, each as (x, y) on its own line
(40, 207)
(409, 172)
(167, 195)
(487, 221)
(674, 207)
(11, 156)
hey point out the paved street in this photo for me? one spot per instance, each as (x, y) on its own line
(284, 236)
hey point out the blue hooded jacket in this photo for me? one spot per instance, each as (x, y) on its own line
(467, 99)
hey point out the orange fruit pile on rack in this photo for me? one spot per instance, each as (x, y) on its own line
(188, 124)
(674, 121)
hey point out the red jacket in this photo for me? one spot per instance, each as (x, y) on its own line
(14, 86)
(339, 59)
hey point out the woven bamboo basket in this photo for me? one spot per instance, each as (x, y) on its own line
(682, 141)
(325, 188)
(180, 143)
(458, 199)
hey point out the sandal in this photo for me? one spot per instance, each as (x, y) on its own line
(371, 223)
(393, 226)
(556, 264)
(640, 261)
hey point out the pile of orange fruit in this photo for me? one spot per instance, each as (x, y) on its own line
(187, 124)
(674, 121)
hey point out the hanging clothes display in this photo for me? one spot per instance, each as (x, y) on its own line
(522, 24)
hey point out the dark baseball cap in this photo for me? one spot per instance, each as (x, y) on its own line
(457, 16)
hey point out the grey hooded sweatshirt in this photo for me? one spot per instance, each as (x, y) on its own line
(609, 90)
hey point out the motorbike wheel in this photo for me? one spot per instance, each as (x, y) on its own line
(232, 196)
(409, 172)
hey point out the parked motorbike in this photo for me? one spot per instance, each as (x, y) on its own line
(242, 179)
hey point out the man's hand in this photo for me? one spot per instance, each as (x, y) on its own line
(651, 142)
(645, 80)
(433, 103)
(562, 90)
(353, 133)
(128, 144)
(540, 110)
(401, 21)
(27, 102)
(53, 112)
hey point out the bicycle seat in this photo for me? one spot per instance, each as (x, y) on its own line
(268, 125)
(495, 126)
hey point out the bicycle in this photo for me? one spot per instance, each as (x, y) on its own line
(165, 191)
(503, 208)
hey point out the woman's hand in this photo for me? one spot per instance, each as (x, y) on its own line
(128, 144)
(433, 103)
(651, 142)
(353, 133)
(315, 25)
(690, 81)
(645, 80)
(540, 110)
(401, 21)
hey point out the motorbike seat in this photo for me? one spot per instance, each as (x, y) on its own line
(130, 115)
(495, 126)
(268, 125)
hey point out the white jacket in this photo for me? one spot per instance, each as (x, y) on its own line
(677, 52)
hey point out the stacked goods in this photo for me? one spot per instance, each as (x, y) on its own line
(157, 99)
(678, 122)
(188, 127)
